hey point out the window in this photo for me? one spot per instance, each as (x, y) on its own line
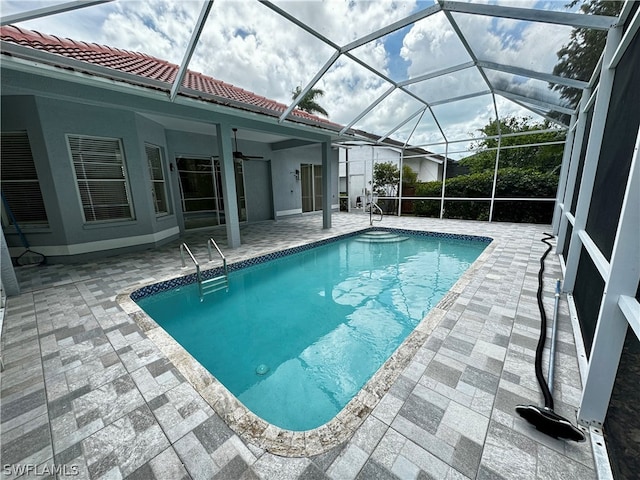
(20, 187)
(158, 186)
(100, 174)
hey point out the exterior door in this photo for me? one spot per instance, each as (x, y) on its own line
(311, 186)
(201, 192)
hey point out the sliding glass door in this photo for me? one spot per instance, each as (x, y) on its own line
(201, 192)
(311, 185)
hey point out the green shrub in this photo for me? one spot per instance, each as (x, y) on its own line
(512, 182)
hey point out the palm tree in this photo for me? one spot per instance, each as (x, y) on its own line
(308, 102)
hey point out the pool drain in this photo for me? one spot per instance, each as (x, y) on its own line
(262, 369)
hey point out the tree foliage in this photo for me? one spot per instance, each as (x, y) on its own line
(308, 102)
(579, 57)
(546, 158)
(409, 177)
(386, 178)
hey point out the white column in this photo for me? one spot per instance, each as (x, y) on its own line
(225, 150)
(326, 184)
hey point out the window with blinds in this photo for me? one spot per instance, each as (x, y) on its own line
(20, 186)
(158, 185)
(100, 172)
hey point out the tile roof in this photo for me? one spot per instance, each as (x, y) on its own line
(152, 68)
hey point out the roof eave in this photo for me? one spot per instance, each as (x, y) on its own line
(65, 65)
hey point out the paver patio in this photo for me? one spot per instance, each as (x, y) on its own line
(87, 392)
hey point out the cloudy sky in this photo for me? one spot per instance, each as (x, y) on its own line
(249, 45)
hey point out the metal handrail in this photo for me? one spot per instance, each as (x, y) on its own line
(373, 205)
(184, 247)
(210, 242)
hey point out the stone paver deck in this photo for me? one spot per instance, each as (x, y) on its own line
(86, 393)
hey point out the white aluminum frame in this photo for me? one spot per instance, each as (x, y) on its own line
(619, 309)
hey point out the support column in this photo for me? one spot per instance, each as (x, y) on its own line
(327, 175)
(225, 150)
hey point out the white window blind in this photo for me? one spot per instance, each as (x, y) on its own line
(158, 186)
(20, 186)
(100, 172)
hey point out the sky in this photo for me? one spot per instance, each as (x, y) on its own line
(249, 45)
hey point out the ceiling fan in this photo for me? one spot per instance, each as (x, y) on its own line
(237, 155)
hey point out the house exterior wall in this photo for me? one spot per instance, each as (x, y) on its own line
(20, 113)
(258, 185)
(271, 188)
(286, 188)
(427, 171)
(257, 177)
(361, 159)
(58, 119)
(48, 122)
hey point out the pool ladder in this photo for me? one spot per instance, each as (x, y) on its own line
(209, 285)
(378, 211)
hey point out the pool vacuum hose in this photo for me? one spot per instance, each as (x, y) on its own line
(544, 418)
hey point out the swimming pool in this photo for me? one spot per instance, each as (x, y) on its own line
(296, 337)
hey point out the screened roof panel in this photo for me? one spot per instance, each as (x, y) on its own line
(389, 113)
(519, 43)
(526, 87)
(519, 106)
(345, 22)
(350, 88)
(433, 45)
(463, 118)
(385, 55)
(457, 84)
(271, 56)
(358, 52)
(423, 130)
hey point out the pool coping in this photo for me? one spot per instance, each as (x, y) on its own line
(340, 428)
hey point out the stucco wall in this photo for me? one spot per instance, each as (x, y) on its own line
(287, 189)
(48, 122)
(271, 188)
(256, 172)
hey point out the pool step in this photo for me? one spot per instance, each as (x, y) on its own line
(214, 284)
(381, 236)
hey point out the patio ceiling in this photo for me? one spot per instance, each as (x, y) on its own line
(427, 75)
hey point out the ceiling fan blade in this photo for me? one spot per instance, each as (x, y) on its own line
(238, 154)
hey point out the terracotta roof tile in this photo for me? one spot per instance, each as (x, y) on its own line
(146, 66)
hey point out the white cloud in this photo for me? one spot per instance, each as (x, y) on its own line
(249, 45)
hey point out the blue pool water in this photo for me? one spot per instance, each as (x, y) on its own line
(297, 337)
